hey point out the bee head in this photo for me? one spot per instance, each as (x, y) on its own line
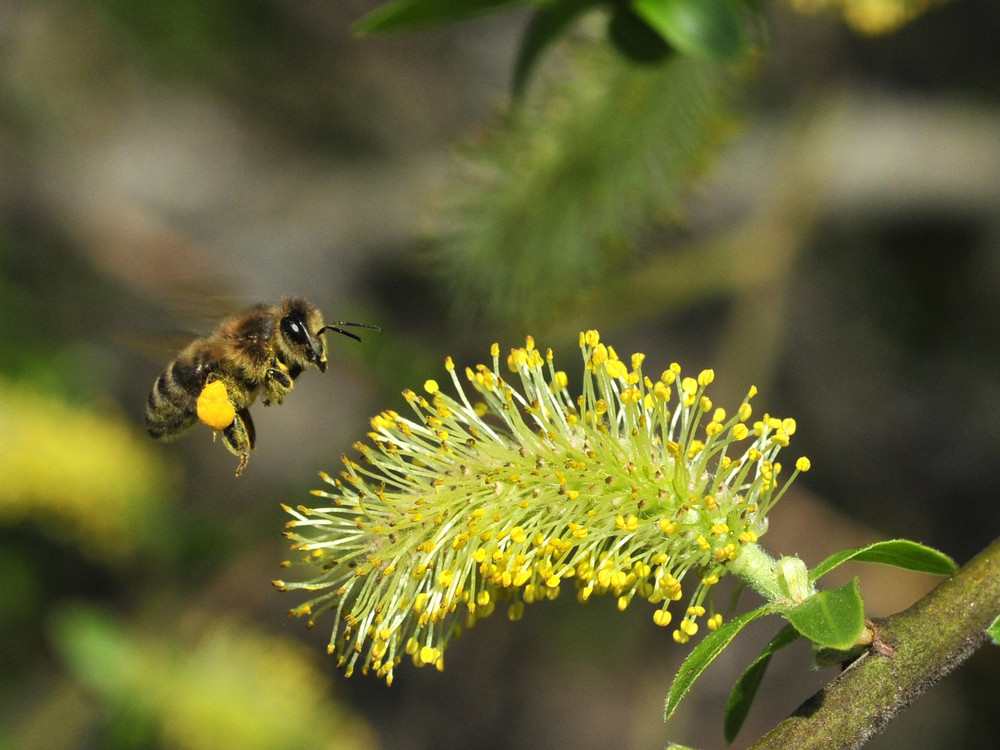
(302, 330)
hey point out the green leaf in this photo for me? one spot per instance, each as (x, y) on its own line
(830, 619)
(635, 38)
(545, 26)
(993, 631)
(901, 553)
(705, 653)
(745, 689)
(412, 14)
(710, 29)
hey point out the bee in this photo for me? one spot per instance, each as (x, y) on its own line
(215, 379)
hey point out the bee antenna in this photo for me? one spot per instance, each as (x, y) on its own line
(348, 333)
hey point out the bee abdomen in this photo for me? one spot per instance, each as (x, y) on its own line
(171, 407)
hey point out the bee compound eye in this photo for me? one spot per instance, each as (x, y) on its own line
(294, 330)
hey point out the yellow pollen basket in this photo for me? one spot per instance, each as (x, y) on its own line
(214, 407)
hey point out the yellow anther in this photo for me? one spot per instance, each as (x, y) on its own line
(727, 552)
(667, 526)
(428, 654)
(599, 355)
(517, 359)
(616, 369)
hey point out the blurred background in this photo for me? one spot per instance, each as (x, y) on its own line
(823, 222)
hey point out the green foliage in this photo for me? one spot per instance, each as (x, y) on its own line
(830, 619)
(547, 208)
(636, 39)
(900, 553)
(993, 631)
(642, 30)
(702, 656)
(712, 29)
(547, 24)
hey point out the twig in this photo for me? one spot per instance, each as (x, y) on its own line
(918, 647)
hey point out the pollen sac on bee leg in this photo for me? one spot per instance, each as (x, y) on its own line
(214, 407)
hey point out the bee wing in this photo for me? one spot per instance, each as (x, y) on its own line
(158, 346)
(203, 304)
(188, 310)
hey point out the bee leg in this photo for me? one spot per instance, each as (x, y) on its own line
(240, 438)
(248, 424)
(277, 383)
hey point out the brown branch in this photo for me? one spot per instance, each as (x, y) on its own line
(911, 651)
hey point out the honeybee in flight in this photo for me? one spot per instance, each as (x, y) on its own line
(261, 350)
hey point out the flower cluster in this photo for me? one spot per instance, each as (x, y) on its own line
(630, 489)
